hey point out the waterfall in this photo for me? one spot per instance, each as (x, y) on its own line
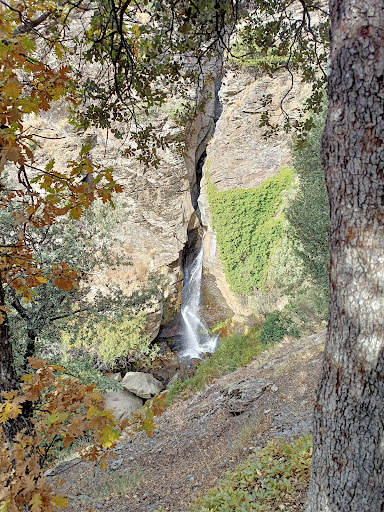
(196, 339)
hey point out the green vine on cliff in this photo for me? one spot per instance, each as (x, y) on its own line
(248, 223)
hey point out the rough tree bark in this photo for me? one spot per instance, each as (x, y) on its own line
(348, 462)
(8, 378)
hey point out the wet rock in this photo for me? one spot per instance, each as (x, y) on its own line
(165, 367)
(240, 395)
(186, 370)
(142, 384)
(195, 362)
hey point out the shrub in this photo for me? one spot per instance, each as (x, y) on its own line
(271, 479)
(55, 408)
(245, 53)
(299, 263)
(276, 326)
(113, 338)
(247, 227)
(308, 212)
(64, 409)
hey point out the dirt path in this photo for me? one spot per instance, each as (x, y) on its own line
(199, 439)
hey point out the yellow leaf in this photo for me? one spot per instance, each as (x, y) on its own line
(92, 411)
(54, 417)
(108, 435)
(60, 502)
(12, 88)
(36, 503)
(8, 395)
(4, 505)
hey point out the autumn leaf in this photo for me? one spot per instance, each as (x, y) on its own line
(19, 218)
(9, 410)
(36, 503)
(92, 411)
(64, 283)
(76, 212)
(61, 502)
(12, 88)
(4, 505)
(108, 435)
(55, 417)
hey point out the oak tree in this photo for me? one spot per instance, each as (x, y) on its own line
(348, 461)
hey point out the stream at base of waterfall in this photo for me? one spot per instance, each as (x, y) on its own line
(196, 339)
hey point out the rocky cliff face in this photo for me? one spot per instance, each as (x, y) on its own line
(239, 156)
(158, 200)
(161, 201)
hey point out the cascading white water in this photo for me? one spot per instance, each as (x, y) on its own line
(196, 339)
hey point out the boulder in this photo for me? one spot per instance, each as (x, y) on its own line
(142, 384)
(187, 371)
(174, 379)
(122, 403)
(238, 396)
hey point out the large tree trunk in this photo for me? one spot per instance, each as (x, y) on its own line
(8, 378)
(348, 462)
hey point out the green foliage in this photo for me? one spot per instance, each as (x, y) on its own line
(113, 338)
(246, 54)
(233, 352)
(272, 479)
(308, 212)
(276, 326)
(80, 364)
(79, 315)
(248, 225)
(298, 265)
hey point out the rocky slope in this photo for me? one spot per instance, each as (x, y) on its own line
(202, 437)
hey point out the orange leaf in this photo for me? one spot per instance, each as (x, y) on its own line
(63, 283)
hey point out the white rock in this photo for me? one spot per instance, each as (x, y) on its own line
(142, 384)
(122, 403)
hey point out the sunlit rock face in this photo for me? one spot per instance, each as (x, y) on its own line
(157, 203)
(157, 200)
(239, 156)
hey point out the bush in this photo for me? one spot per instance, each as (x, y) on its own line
(299, 263)
(248, 227)
(49, 410)
(308, 212)
(245, 53)
(271, 479)
(276, 326)
(113, 338)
